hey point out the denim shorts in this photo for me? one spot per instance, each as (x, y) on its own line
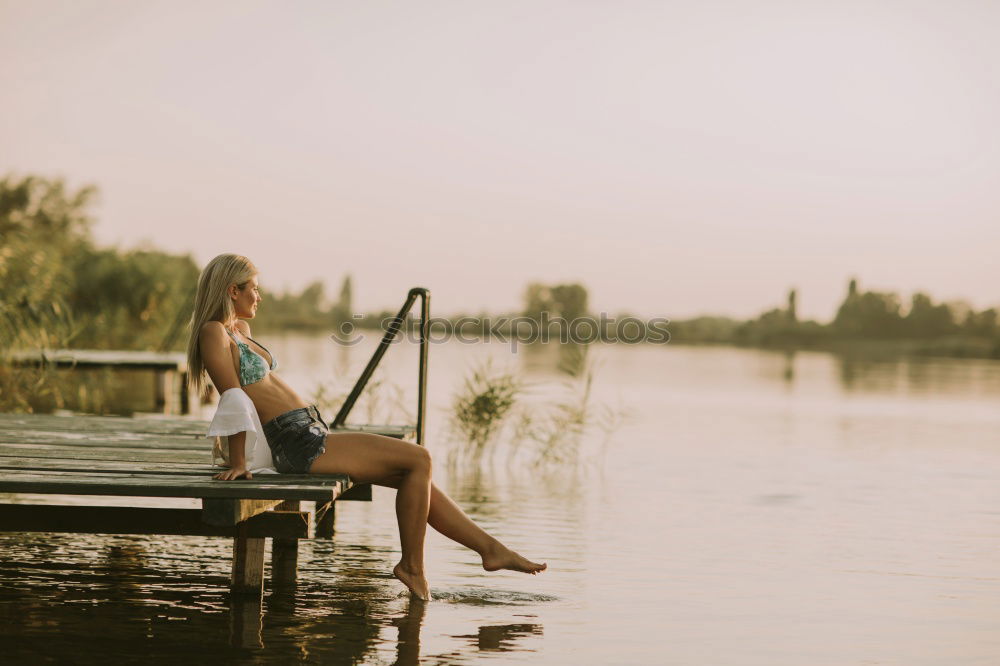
(296, 439)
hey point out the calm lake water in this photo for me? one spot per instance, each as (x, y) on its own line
(757, 508)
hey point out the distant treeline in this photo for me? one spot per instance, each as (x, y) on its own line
(865, 320)
(60, 290)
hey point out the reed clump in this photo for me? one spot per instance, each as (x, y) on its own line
(557, 429)
(549, 431)
(26, 324)
(480, 410)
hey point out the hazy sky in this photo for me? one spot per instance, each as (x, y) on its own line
(675, 157)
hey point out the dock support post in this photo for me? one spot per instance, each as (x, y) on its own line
(159, 391)
(285, 553)
(187, 399)
(167, 392)
(248, 563)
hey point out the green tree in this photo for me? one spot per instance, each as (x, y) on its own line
(927, 320)
(568, 301)
(344, 307)
(43, 226)
(131, 299)
(60, 290)
(982, 324)
(537, 299)
(305, 310)
(869, 314)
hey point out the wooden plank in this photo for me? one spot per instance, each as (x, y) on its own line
(190, 437)
(287, 525)
(158, 442)
(131, 480)
(20, 448)
(165, 457)
(73, 452)
(105, 424)
(116, 358)
(276, 486)
(15, 433)
(115, 441)
(226, 512)
(248, 563)
(157, 425)
(285, 554)
(92, 455)
(361, 492)
(129, 439)
(75, 465)
(103, 469)
(130, 433)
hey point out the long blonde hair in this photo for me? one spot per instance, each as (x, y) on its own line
(212, 303)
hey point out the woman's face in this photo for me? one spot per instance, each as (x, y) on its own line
(247, 299)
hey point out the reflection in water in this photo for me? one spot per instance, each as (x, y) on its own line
(501, 638)
(569, 359)
(408, 640)
(789, 372)
(153, 603)
(851, 372)
(895, 375)
(573, 359)
(335, 619)
(246, 621)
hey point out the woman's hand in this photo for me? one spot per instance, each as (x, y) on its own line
(234, 473)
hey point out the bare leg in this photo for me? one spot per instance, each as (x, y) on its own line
(448, 518)
(368, 458)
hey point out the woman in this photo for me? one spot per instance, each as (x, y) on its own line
(299, 439)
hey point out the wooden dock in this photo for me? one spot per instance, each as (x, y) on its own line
(169, 369)
(165, 457)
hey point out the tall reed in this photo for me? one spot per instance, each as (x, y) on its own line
(28, 325)
(551, 431)
(480, 409)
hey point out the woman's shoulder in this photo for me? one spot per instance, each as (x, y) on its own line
(213, 334)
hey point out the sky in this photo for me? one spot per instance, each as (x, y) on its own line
(676, 158)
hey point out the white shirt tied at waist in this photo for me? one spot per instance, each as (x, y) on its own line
(236, 413)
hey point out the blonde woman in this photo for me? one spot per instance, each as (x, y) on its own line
(298, 439)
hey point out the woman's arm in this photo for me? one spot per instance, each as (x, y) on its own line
(218, 360)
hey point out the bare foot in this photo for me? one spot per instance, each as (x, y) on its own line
(505, 558)
(413, 580)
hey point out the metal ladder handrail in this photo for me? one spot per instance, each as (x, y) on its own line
(390, 335)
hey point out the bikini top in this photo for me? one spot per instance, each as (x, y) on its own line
(253, 367)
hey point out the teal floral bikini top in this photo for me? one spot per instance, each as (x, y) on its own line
(253, 367)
